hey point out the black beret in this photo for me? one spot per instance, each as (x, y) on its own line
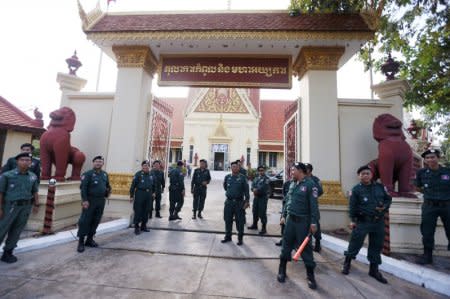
(309, 166)
(145, 162)
(431, 151)
(98, 158)
(234, 163)
(156, 161)
(300, 166)
(238, 161)
(362, 168)
(28, 155)
(203, 160)
(180, 163)
(261, 166)
(27, 145)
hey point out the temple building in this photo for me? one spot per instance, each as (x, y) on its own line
(225, 124)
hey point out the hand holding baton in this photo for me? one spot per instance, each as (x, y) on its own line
(301, 248)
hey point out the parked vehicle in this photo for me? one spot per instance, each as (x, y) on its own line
(275, 182)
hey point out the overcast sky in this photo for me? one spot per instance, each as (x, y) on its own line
(37, 36)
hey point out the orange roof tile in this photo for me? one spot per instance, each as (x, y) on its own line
(272, 120)
(13, 118)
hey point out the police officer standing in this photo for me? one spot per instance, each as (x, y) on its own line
(368, 203)
(260, 187)
(434, 182)
(95, 188)
(142, 192)
(18, 194)
(237, 200)
(300, 216)
(286, 186)
(318, 184)
(176, 191)
(199, 183)
(160, 184)
(35, 166)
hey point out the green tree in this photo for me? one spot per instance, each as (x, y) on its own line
(419, 32)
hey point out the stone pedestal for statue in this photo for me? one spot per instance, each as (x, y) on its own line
(405, 218)
(69, 84)
(67, 206)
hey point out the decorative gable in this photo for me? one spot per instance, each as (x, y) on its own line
(221, 100)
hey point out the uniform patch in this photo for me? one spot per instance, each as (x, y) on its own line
(445, 177)
(12, 185)
(303, 188)
(95, 182)
(82, 177)
(315, 192)
(365, 199)
(385, 189)
(425, 185)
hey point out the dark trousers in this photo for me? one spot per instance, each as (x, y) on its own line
(176, 200)
(157, 202)
(141, 204)
(199, 198)
(375, 230)
(234, 209)
(294, 234)
(90, 218)
(259, 209)
(318, 233)
(12, 223)
(430, 215)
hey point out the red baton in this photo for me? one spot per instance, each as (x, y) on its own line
(302, 247)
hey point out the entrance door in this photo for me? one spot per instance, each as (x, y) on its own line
(219, 161)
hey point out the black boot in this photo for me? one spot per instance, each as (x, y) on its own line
(240, 240)
(80, 247)
(150, 215)
(254, 225)
(177, 217)
(200, 215)
(376, 274)
(347, 265)
(157, 214)
(426, 258)
(279, 243)
(282, 270)
(194, 216)
(317, 247)
(90, 242)
(226, 239)
(137, 231)
(144, 228)
(263, 230)
(310, 277)
(8, 257)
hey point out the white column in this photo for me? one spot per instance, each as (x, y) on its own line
(393, 91)
(69, 84)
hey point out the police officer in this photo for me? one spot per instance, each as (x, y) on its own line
(200, 180)
(237, 200)
(18, 194)
(285, 193)
(160, 184)
(300, 216)
(260, 187)
(368, 203)
(35, 166)
(176, 191)
(242, 170)
(434, 182)
(318, 184)
(95, 188)
(142, 192)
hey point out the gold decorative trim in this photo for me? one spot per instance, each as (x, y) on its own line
(332, 194)
(120, 183)
(234, 35)
(136, 56)
(317, 58)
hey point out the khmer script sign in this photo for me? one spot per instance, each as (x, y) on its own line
(228, 71)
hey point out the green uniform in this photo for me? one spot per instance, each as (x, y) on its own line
(198, 189)
(436, 194)
(176, 190)
(261, 185)
(318, 184)
(243, 171)
(237, 195)
(160, 184)
(300, 212)
(18, 189)
(142, 189)
(364, 200)
(94, 188)
(35, 166)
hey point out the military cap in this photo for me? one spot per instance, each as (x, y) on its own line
(234, 163)
(300, 166)
(28, 155)
(180, 163)
(145, 162)
(261, 166)
(238, 161)
(156, 161)
(27, 145)
(98, 158)
(309, 166)
(431, 151)
(362, 168)
(203, 160)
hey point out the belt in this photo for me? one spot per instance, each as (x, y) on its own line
(21, 202)
(367, 218)
(295, 218)
(234, 199)
(436, 203)
(146, 190)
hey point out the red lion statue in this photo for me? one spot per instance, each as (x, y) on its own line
(56, 148)
(395, 158)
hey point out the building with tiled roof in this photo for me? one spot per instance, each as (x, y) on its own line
(222, 125)
(16, 128)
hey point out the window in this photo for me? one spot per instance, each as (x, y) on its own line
(248, 155)
(191, 153)
(178, 155)
(272, 159)
(170, 156)
(262, 158)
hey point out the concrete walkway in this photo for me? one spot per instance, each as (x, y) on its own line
(185, 259)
